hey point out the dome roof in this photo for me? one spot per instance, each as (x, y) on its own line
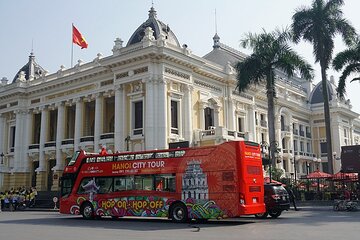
(32, 68)
(317, 95)
(157, 26)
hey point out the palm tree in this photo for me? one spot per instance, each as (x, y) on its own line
(349, 60)
(318, 25)
(270, 51)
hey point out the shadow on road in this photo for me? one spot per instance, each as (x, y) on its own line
(138, 224)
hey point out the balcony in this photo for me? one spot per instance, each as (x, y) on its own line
(138, 131)
(107, 136)
(219, 134)
(285, 128)
(263, 123)
(67, 142)
(287, 153)
(34, 148)
(50, 144)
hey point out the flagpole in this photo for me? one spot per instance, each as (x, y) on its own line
(72, 44)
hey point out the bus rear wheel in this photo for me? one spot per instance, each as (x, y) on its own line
(179, 213)
(87, 211)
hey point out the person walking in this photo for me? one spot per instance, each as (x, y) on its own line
(292, 198)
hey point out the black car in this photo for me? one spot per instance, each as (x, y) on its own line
(276, 199)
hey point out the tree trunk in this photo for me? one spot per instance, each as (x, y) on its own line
(270, 92)
(327, 118)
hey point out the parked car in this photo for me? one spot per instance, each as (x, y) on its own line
(276, 199)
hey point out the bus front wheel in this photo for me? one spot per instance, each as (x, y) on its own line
(87, 211)
(179, 213)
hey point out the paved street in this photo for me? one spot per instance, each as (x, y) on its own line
(322, 223)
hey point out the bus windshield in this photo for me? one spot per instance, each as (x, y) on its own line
(73, 159)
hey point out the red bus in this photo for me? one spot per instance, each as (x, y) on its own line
(219, 181)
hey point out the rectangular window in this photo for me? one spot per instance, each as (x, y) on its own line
(308, 148)
(123, 183)
(144, 182)
(105, 184)
(241, 127)
(138, 118)
(323, 149)
(295, 145)
(209, 118)
(301, 146)
(174, 117)
(12, 138)
(165, 182)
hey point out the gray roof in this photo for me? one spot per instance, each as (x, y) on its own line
(30, 68)
(223, 54)
(317, 94)
(157, 26)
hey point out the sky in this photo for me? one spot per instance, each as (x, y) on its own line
(45, 27)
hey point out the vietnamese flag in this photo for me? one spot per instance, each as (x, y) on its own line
(78, 38)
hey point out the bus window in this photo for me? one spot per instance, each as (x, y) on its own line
(165, 182)
(144, 182)
(83, 183)
(123, 183)
(73, 159)
(66, 186)
(105, 184)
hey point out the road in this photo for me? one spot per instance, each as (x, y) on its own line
(305, 224)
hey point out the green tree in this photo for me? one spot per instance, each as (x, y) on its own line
(270, 51)
(318, 25)
(276, 173)
(349, 61)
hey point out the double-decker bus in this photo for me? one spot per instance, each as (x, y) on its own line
(219, 181)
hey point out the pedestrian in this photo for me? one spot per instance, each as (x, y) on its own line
(292, 198)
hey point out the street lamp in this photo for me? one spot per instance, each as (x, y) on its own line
(2, 158)
(127, 140)
(264, 145)
(317, 162)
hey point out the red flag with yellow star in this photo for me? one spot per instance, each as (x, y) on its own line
(78, 38)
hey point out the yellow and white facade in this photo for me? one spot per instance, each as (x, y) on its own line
(150, 93)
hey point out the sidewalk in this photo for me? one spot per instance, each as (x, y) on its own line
(315, 205)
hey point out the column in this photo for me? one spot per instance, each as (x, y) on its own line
(28, 130)
(41, 170)
(2, 133)
(216, 116)
(18, 136)
(60, 135)
(119, 135)
(188, 114)
(161, 121)
(99, 115)
(251, 123)
(231, 115)
(202, 116)
(43, 138)
(78, 123)
(150, 114)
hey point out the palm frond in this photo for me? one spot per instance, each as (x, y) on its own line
(351, 68)
(249, 72)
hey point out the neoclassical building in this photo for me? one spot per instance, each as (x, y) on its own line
(149, 93)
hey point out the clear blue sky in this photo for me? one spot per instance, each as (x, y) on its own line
(48, 25)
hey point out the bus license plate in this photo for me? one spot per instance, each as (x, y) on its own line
(254, 200)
